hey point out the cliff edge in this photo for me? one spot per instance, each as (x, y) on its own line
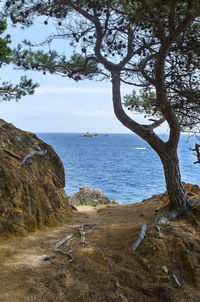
(31, 189)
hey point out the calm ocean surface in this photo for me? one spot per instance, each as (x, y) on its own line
(117, 164)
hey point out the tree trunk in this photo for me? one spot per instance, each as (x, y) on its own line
(179, 199)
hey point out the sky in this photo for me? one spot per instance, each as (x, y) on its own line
(60, 104)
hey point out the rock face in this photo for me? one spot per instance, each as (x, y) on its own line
(87, 196)
(31, 195)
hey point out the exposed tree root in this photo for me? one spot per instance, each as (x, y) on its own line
(176, 280)
(140, 237)
(82, 233)
(68, 253)
(12, 154)
(67, 238)
(25, 159)
(169, 215)
(47, 257)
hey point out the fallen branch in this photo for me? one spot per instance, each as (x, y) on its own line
(40, 153)
(140, 238)
(10, 153)
(82, 233)
(157, 228)
(67, 238)
(68, 253)
(47, 257)
(176, 280)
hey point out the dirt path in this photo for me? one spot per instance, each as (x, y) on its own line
(19, 256)
(106, 269)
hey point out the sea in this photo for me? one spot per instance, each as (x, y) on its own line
(121, 165)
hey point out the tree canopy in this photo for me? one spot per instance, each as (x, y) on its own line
(126, 34)
(149, 44)
(9, 91)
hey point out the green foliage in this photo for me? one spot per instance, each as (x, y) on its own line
(77, 67)
(143, 101)
(9, 91)
(5, 50)
(124, 36)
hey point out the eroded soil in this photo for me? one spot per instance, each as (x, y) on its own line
(106, 269)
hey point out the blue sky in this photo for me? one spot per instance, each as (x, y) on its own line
(60, 104)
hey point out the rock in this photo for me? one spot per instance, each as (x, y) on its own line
(87, 196)
(31, 195)
(165, 269)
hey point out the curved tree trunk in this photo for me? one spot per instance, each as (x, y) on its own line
(179, 199)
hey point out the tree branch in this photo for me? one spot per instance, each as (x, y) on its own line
(40, 153)
(154, 19)
(141, 68)
(143, 131)
(156, 123)
(12, 154)
(140, 237)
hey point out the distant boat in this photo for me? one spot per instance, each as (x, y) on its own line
(88, 134)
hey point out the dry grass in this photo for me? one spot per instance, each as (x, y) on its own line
(107, 259)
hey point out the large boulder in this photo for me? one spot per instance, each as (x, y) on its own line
(87, 196)
(31, 194)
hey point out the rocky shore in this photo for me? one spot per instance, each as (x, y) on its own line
(87, 196)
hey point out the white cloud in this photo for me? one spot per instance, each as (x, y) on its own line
(78, 112)
(100, 113)
(71, 89)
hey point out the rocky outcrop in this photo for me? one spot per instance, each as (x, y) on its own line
(87, 196)
(31, 194)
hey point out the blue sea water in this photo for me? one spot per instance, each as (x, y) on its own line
(118, 164)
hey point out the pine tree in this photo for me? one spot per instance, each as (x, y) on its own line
(9, 91)
(149, 44)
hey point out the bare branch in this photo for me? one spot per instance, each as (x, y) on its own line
(40, 153)
(69, 252)
(176, 280)
(67, 238)
(156, 123)
(82, 233)
(140, 237)
(197, 153)
(11, 154)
